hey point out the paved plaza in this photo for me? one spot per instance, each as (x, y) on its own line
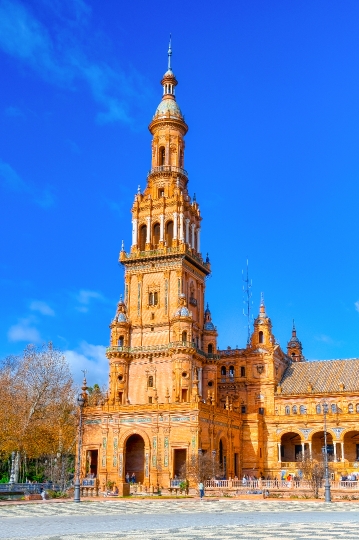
(180, 520)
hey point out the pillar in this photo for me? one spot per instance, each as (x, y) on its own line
(193, 226)
(181, 227)
(200, 381)
(335, 450)
(162, 227)
(310, 449)
(187, 230)
(198, 240)
(134, 232)
(279, 452)
(303, 449)
(342, 449)
(148, 231)
(175, 225)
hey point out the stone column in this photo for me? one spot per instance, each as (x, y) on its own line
(199, 240)
(335, 450)
(303, 445)
(279, 452)
(342, 448)
(193, 226)
(148, 231)
(310, 449)
(134, 232)
(200, 381)
(175, 225)
(162, 227)
(181, 227)
(187, 230)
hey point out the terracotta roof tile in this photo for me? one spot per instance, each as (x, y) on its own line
(325, 376)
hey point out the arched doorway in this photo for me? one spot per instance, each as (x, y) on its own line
(143, 236)
(351, 446)
(222, 457)
(318, 446)
(135, 457)
(290, 447)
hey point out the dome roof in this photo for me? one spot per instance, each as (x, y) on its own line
(121, 317)
(209, 326)
(168, 105)
(182, 312)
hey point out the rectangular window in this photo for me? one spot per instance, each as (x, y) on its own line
(184, 394)
(243, 409)
(150, 399)
(243, 371)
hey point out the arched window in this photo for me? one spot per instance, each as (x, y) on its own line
(243, 371)
(287, 409)
(169, 233)
(150, 299)
(184, 336)
(231, 371)
(357, 408)
(120, 341)
(150, 381)
(210, 348)
(333, 408)
(318, 409)
(143, 235)
(294, 409)
(156, 234)
(162, 156)
(223, 371)
(302, 409)
(350, 408)
(260, 337)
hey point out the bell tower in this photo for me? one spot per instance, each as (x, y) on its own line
(164, 273)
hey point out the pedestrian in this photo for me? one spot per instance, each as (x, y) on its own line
(127, 477)
(133, 478)
(201, 490)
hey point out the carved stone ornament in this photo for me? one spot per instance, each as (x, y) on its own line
(260, 368)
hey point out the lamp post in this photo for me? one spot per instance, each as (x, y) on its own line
(213, 459)
(326, 473)
(81, 403)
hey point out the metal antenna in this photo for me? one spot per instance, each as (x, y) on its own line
(247, 295)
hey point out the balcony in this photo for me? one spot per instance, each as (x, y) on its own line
(154, 253)
(172, 345)
(167, 169)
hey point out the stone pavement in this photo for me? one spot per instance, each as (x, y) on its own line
(182, 519)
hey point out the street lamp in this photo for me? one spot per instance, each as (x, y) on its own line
(213, 458)
(81, 403)
(326, 473)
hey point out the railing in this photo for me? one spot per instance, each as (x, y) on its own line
(163, 252)
(27, 487)
(278, 484)
(168, 168)
(172, 345)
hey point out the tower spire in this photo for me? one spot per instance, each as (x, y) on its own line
(170, 53)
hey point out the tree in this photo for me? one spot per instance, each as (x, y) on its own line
(202, 467)
(37, 417)
(311, 470)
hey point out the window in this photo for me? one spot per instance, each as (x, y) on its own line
(318, 409)
(333, 408)
(149, 399)
(169, 234)
(350, 408)
(161, 193)
(153, 298)
(357, 408)
(210, 348)
(243, 371)
(162, 156)
(184, 336)
(243, 409)
(231, 371)
(120, 341)
(287, 409)
(302, 409)
(223, 371)
(210, 383)
(156, 234)
(294, 409)
(261, 337)
(261, 411)
(143, 236)
(150, 381)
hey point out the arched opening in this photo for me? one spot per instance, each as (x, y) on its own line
(135, 457)
(318, 409)
(231, 371)
(302, 409)
(287, 409)
(243, 371)
(210, 348)
(261, 337)
(351, 446)
(291, 447)
(169, 233)
(143, 236)
(350, 408)
(222, 457)
(120, 341)
(184, 336)
(223, 371)
(156, 234)
(161, 156)
(295, 409)
(318, 446)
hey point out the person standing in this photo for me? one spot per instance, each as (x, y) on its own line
(127, 478)
(133, 478)
(201, 490)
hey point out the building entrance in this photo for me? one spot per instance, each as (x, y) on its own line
(179, 462)
(135, 457)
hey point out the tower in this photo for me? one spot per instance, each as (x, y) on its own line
(294, 347)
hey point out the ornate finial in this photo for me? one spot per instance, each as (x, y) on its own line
(207, 258)
(170, 53)
(121, 300)
(194, 197)
(139, 189)
(123, 246)
(293, 326)
(262, 299)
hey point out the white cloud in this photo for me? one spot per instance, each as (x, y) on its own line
(24, 331)
(324, 339)
(93, 359)
(14, 112)
(42, 307)
(60, 57)
(85, 297)
(357, 305)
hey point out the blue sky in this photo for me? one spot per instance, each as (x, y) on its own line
(270, 92)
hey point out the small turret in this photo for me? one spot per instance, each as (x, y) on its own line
(262, 335)
(209, 333)
(294, 347)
